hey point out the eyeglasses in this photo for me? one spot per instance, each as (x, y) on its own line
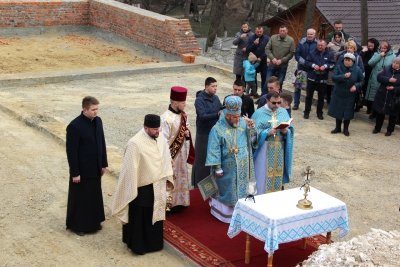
(274, 103)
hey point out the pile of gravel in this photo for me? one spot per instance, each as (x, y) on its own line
(376, 248)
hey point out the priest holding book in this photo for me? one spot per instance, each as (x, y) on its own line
(273, 151)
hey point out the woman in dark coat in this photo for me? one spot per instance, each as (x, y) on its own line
(348, 78)
(241, 53)
(366, 54)
(390, 86)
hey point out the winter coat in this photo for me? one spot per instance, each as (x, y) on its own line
(283, 50)
(329, 37)
(303, 48)
(207, 108)
(240, 55)
(315, 57)
(359, 62)
(342, 101)
(377, 63)
(383, 96)
(366, 56)
(334, 49)
(258, 50)
(250, 71)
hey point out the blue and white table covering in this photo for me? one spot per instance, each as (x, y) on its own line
(275, 219)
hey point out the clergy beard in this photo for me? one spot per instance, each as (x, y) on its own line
(153, 135)
(234, 125)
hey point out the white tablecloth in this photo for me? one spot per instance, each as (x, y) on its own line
(275, 219)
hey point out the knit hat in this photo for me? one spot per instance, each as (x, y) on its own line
(178, 93)
(252, 58)
(233, 105)
(152, 121)
(349, 55)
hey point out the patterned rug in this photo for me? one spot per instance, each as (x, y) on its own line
(202, 238)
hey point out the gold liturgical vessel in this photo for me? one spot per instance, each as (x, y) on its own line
(306, 204)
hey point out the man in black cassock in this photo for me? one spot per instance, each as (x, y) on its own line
(87, 159)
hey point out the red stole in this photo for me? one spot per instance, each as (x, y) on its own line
(179, 140)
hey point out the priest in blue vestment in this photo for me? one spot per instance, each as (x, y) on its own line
(273, 149)
(230, 157)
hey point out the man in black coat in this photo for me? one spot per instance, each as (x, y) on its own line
(87, 159)
(247, 102)
(256, 44)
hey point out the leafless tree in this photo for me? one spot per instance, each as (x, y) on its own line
(364, 22)
(309, 18)
(187, 8)
(215, 22)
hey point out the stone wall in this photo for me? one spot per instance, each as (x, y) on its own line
(171, 35)
(43, 13)
(168, 34)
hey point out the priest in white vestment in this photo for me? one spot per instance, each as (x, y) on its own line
(140, 199)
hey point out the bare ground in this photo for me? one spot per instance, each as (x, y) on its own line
(361, 170)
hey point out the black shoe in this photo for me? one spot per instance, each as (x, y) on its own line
(336, 130)
(251, 94)
(372, 116)
(320, 117)
(256, 95)
(100, 227)
(388, 133)
(369, 111)
(356, 109)
(306, 116)
(257, 101)
(346, 133)
(295, 107)
(375, 131)
(79, 233)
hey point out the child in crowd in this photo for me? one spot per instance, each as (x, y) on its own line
(286, 101)
(250, 66)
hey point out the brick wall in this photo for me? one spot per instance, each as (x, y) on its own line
(171, 35)
(23, 13)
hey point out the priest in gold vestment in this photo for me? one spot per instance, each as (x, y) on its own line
(140, 197)
(174, 127)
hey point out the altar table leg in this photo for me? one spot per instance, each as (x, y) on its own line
(247, 251)
(270, 258)
(328, 237)
(303, 243)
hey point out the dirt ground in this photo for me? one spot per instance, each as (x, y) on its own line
(51, 52)
(362, 170)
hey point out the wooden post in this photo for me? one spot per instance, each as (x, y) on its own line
(270, 259)
(303, 243)
(247, 252)
(328, 237)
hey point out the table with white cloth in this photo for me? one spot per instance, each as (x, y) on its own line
(274, 218)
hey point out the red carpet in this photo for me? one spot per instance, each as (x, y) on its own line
(203, 238)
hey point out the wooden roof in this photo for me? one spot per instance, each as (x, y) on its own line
(383, 17)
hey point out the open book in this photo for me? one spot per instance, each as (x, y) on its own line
(283, 125)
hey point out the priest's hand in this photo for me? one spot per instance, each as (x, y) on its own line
(103, 171)
(76, 179)
(284, 131)
(250, 122)
(219, 173)
(187, 133)
(272, 132)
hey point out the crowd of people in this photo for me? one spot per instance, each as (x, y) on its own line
(235, 143)
(331, 67)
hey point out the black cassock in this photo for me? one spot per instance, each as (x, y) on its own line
(140, 234)
(86, 153)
